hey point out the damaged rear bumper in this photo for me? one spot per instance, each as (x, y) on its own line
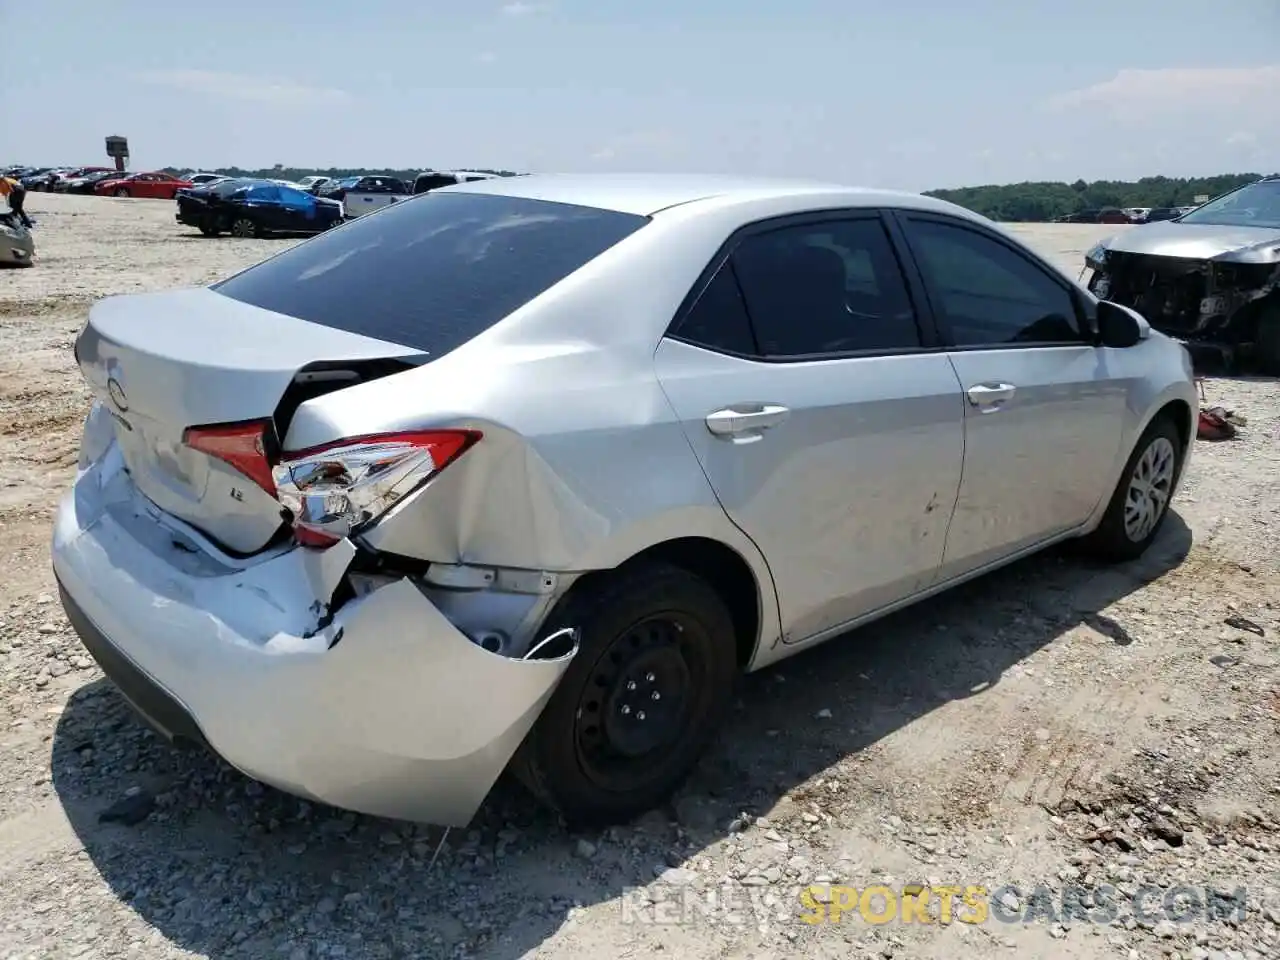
(388, 709)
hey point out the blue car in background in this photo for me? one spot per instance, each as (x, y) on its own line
(255, 208)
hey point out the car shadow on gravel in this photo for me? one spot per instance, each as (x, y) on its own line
(225, 867)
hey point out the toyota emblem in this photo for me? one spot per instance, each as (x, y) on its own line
(117, 394)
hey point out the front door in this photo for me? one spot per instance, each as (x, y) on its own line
(831, 435)
(1044, 411)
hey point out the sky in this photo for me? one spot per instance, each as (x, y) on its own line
(907, 94)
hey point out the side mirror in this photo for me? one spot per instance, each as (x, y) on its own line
(1120, 327)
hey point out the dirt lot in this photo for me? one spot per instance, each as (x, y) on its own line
(1056, 728)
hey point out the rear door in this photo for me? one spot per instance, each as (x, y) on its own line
(825, 417)
(373, 193)
(1044, 409)
(297, 210)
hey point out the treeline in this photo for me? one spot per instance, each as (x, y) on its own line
(1048, 200)
(338, 173)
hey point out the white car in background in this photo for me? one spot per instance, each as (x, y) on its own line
(365, 194)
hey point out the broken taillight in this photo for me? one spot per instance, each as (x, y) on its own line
(331, 490)
(242, 445)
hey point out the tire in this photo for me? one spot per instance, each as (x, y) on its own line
(122, 192)
(1118, 539)
(209, 229)
(244, 227)
(1268, 340)
(655, 626)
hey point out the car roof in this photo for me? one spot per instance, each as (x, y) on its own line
(648, 194)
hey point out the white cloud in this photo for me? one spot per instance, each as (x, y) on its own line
(522, 8)
(238, 86)
(487, 57)
(1178, 92)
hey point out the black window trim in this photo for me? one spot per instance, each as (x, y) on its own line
(930, 336)
(904, 216)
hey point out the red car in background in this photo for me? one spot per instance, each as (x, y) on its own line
(156, 186)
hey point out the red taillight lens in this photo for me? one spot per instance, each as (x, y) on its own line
(242, 445)
(332, 490)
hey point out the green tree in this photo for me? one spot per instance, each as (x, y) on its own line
(1042, 201)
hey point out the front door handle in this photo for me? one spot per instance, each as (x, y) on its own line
(989, 397)
(746, 421)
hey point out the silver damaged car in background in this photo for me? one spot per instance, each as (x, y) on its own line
(526, 471)
(1210, 277)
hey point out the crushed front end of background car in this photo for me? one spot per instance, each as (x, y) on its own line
(1216, 300)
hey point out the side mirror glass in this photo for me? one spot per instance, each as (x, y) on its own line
(1119, 326)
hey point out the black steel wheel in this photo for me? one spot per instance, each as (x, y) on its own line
(646, 693)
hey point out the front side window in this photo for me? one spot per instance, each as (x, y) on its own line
(988, 294)
(825, 288)
(434, 273)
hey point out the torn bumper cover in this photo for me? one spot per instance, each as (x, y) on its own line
(385, 707)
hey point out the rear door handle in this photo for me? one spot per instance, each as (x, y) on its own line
(747, 421)
(989, 397)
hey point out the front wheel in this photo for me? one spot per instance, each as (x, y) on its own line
(1268, 340)
(1140, 503)
(646, 693)
(122, 192)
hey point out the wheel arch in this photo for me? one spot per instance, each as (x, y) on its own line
(746, 589)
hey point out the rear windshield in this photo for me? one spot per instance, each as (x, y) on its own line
(432, 272)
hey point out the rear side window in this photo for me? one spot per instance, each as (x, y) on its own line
(719, 320)
(435, 272)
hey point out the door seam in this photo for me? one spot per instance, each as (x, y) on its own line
(964, 455)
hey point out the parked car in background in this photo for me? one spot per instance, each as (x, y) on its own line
(37, 179)
(380, 514)
(361, 195)
(63, 183)
(81, 181)
(156, 186)
(1211, 276)
(200, 179)
(313, 184)
(255, 208)
(1158, 214)
(88, 183)
(435, 179)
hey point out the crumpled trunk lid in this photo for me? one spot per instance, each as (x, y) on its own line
(164, 362)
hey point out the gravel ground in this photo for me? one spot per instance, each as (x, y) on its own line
(1095, 738)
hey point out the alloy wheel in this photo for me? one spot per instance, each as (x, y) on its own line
(1150, 487)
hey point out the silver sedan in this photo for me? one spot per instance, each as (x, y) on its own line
(525, 471)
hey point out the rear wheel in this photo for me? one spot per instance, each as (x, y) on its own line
(646, 693)
(209, 227)
(1140, 503)
(244, 227)
(122, 192)
(1268, 340)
